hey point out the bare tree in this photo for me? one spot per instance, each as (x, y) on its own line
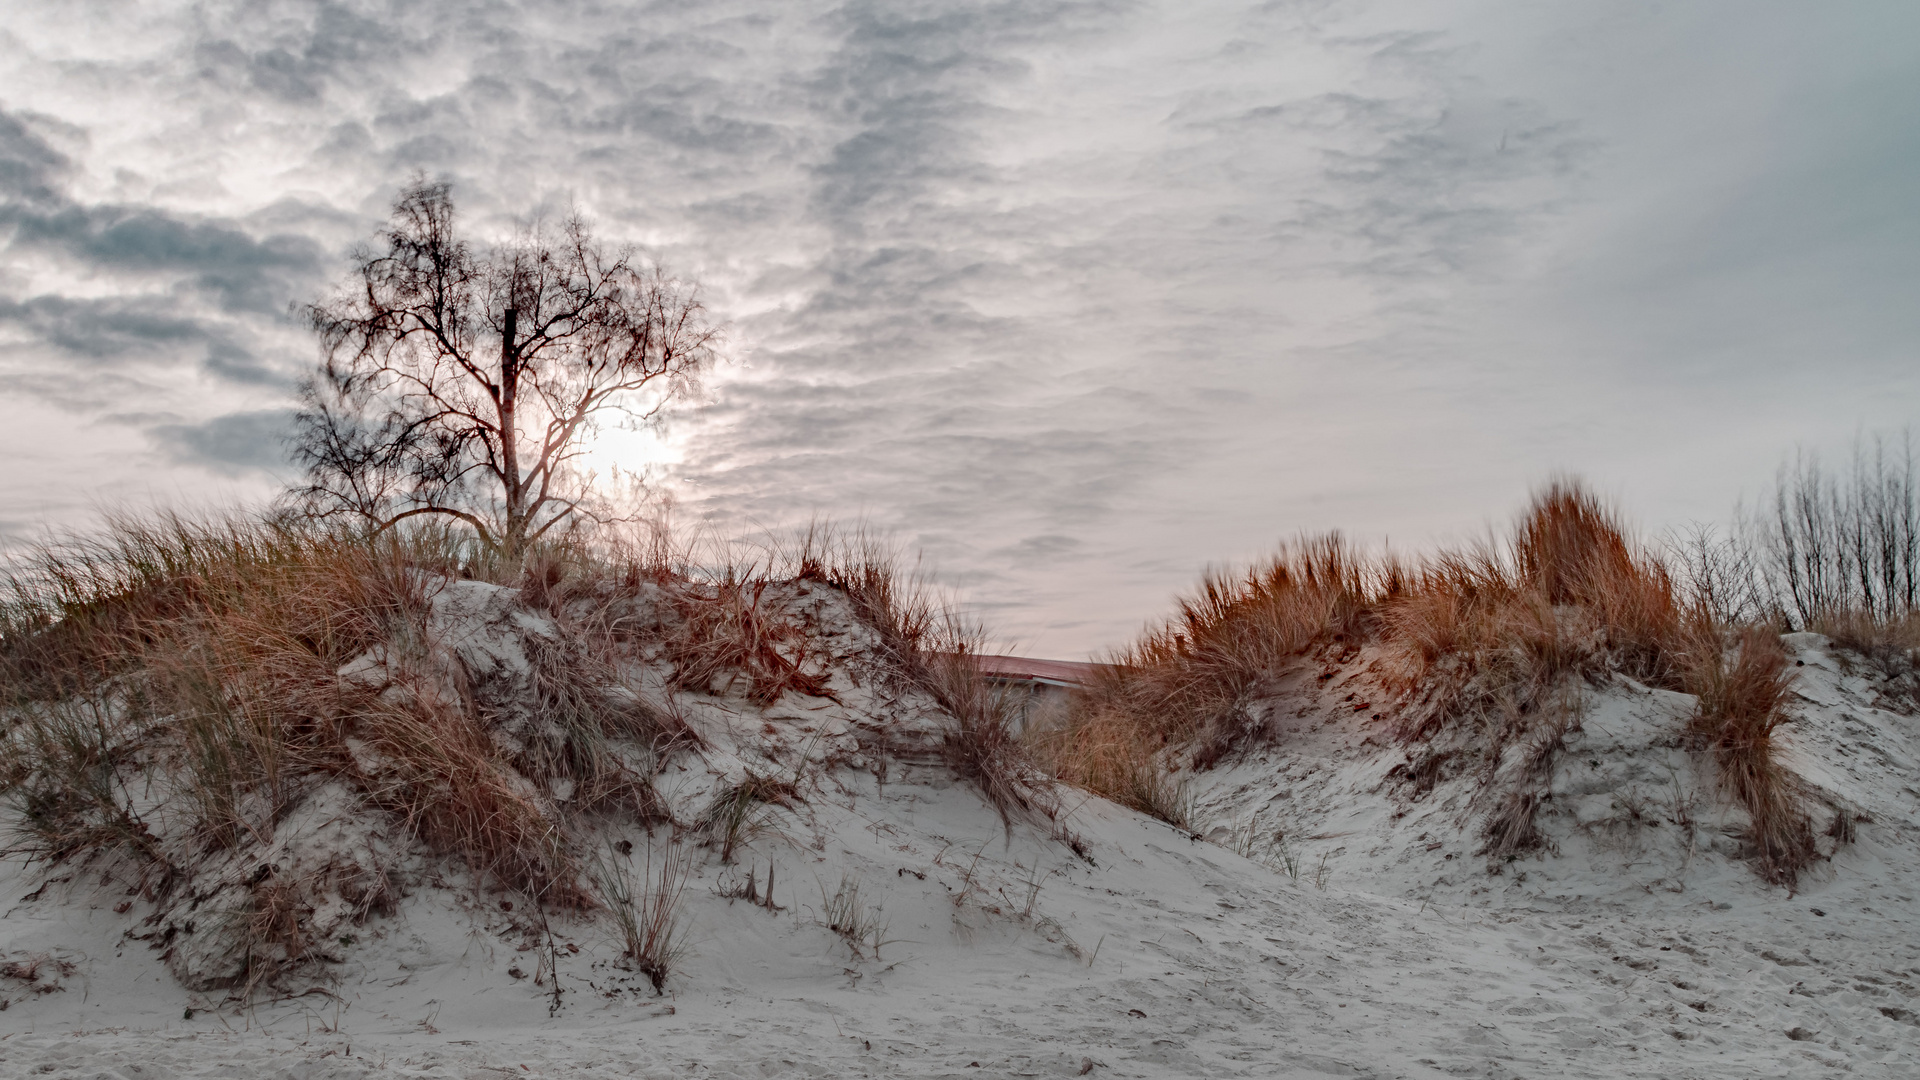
(461, 383)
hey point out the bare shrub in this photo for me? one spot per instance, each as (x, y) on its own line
(459, 380)
(1835, 551)
(1722, 576)
(1835, 544)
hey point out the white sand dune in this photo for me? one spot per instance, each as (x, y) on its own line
(1639, 947)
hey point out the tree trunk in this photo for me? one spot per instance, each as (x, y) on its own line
(513, 538)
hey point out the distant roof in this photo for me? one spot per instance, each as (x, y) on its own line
(1062, 672)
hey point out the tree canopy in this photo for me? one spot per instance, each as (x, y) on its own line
(461, 381)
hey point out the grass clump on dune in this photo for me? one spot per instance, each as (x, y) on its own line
(928, 648)
(1189, 682)
(1483, 649)
(1743, 696)
(221, 650)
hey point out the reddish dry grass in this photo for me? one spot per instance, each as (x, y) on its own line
(1486, 643)
(1572, 551)
(728, 633)
(1476, 634)
(1111, 754)
(1194, 675)
(1743, 699)
(1187, 683)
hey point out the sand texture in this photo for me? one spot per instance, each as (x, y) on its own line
(1368, 940)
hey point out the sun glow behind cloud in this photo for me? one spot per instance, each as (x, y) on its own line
(625, 455)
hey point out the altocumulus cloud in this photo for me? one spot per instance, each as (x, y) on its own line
(1071, 296)
(235, 443)
(119, 304)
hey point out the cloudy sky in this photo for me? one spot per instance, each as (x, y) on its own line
(1075, 298)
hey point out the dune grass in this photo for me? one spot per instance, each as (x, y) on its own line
(928, 647)
(1743, 696)
(1483, 648)
(647, 911)
(175, 687)
(218, 647)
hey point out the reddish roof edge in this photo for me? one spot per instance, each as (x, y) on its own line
(1070, 672)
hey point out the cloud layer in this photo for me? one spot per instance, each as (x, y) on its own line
(1073, 297)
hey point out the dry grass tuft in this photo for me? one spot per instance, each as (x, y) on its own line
(1188, 682)
(861, 925)
(981, 745)
(218, 647)
(728, 633)
(1489, 637)
(1108, 753)
(647, 911)
(734, 815)
(1521, 783)
(1743, 698)
(1469, 643)
(1572, 550)
(926, 646)
(429, 764)
(65, 778)
(1194, 675)
(224, 636)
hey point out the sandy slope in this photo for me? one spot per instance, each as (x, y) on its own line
(1638, 949)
